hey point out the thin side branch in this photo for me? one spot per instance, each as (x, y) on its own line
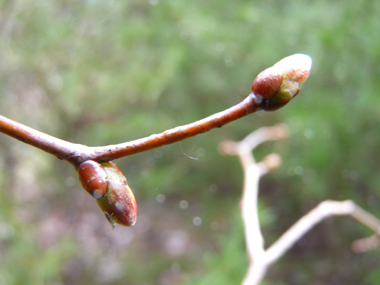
(274, 88)
(76, 153)
(248, 106)
(60, 148)
(323, 211)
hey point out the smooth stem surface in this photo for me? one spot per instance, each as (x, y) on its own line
(57, 147)
(176, 134)
(76, 153)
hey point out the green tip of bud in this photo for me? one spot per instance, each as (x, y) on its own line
(278, 84)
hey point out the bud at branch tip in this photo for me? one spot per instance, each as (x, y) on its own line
(277, 85)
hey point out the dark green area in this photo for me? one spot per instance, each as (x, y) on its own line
(103, 72)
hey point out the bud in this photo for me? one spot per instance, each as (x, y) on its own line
(295, 67)
(272, 161)
(267, 83)
(280, 83)
(93, 178)
(107, 184)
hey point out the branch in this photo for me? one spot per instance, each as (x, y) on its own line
(365, 244)
(57, 147)
(248, 106)
(252, 173)
(323, 211)
(77, 153)
(259, 258)
(271, 89)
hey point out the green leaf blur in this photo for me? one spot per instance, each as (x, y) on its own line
(103, 72)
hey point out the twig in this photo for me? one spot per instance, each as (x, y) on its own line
(324, 210)
(252, 173)
(272, 89)
(248, 106)
(77, 153)
(365, 244)
(57, 147)
(259, 258)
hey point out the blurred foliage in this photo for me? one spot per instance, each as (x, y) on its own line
(103, 72)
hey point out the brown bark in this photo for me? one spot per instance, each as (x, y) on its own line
(77, 153)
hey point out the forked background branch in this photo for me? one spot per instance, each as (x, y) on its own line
(260, 259)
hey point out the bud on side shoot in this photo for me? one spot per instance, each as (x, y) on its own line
(107, 184)
(278, 84)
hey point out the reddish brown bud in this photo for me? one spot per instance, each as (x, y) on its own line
(267, 83)
(109, 186)
(93, 176)
(280, 83)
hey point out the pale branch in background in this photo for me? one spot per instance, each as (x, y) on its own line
(252, 173)
(324, 210)
(259, 258)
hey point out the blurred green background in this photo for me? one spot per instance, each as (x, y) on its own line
(103, 72)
